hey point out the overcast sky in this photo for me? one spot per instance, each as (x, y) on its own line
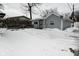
(15, 9)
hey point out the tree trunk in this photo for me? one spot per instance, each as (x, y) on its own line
(30, 12)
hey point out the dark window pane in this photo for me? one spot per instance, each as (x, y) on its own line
(35, 22)
(52, 23)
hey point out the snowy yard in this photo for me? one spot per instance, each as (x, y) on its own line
(35, 42)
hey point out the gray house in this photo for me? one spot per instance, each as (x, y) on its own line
(52, 21)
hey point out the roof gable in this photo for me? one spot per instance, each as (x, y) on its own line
(51, 14)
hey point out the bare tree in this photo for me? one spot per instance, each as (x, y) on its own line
(48, 11)
(1, 11)
(29, 7)
(1, 7)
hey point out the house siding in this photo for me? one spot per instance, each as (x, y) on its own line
(55, 19)
(66, 24)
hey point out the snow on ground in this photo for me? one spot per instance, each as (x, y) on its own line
(35, 42)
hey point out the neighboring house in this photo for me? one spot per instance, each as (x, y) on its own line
(17, 22)
(1, 18)
(52, 21)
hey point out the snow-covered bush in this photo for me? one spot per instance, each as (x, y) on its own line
(76, 25)
(69, 29)
(72, 29)
(2, 30)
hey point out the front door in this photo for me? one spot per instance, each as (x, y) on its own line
(40, 24)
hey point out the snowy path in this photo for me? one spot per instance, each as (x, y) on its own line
(33, 42)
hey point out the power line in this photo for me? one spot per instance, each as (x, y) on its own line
(69, 6)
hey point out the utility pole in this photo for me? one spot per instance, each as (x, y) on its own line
(73, 16)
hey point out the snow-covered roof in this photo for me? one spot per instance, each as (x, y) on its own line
(47, 16)
(16, 17)
(56, 14)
